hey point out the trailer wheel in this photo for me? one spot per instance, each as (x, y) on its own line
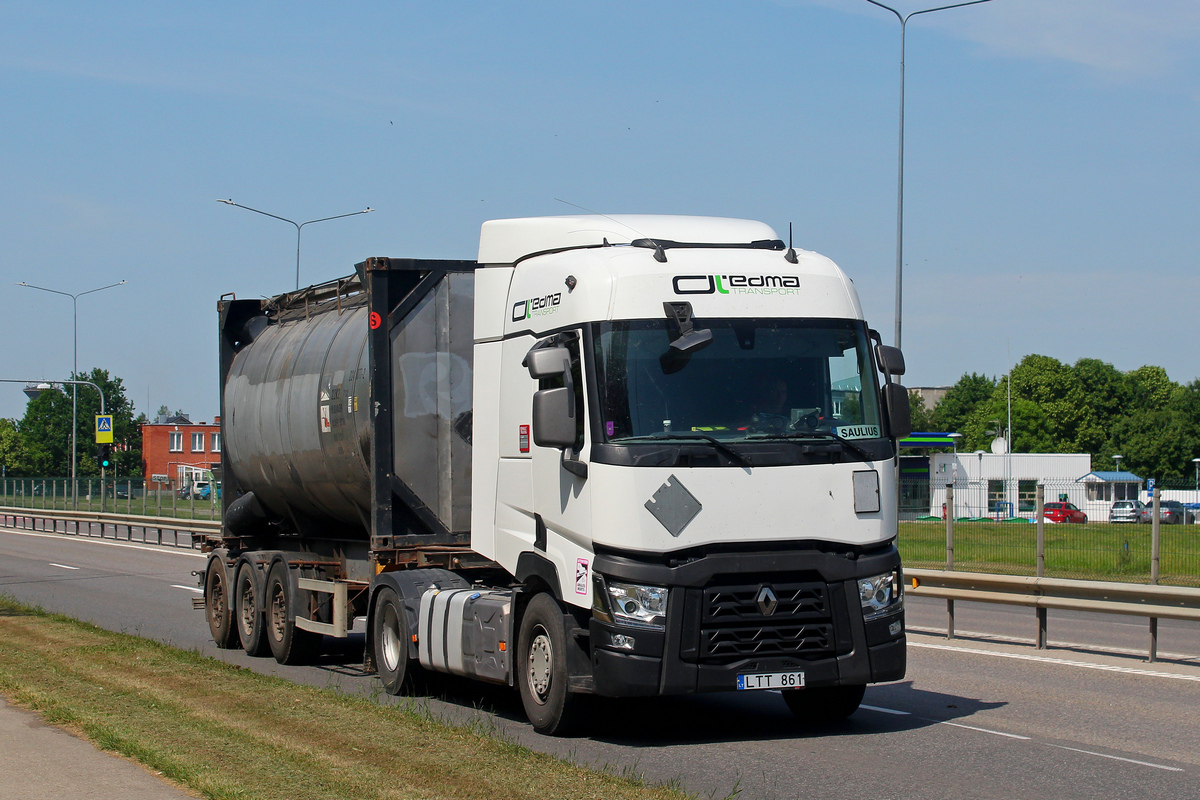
(824, 704)
(289, 644)
(390, 635)
(248, 612)
(542, 667)
(217, 605)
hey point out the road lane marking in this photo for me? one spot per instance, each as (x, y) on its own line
(886, 710)
(1060, 661)
(187, 588)
(62, 566)
(981, 730)
(1129, 651)
(67, 537)
(1116, 758)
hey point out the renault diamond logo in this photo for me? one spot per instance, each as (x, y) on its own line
(767, 601)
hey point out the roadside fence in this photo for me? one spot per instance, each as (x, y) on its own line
(111, 495)
(980, 529)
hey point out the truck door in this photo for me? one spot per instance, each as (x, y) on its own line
(561, 495)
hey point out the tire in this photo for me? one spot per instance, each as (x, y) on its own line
(390, 635)
(248, 613)
(824, 704)
(289, 644)
(218, 607)
(542, 667)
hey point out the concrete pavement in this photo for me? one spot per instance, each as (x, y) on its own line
(38, 761)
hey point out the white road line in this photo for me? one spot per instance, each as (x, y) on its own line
(66, 537)
(62, 566)
(187, 588)
(886, 710)
(981, 730)
(1116, 758)
(1060, 661)
(1131, 651)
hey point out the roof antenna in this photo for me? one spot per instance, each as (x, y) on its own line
(598, 214)
(790, 256)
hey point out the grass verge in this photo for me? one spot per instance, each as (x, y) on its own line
(226, 732)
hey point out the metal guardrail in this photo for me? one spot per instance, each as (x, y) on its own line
(1106, 597)
(120, 527)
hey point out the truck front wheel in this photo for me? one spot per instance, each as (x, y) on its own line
(217, 605)
(390, 636)
(248, 612)
(542, 667)
(824, 704)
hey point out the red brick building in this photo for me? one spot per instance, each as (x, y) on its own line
(175, 450)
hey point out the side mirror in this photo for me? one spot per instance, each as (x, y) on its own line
(547, 362)
(895, 398)
(891, 360)
(553, 422)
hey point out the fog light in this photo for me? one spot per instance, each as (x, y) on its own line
(622, 642)
(895, 628)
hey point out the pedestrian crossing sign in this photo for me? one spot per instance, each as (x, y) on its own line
(104, 429)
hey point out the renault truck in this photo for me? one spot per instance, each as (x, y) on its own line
(613, 456)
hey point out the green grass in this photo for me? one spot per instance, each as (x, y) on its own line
(1096, 551)
(228, 733)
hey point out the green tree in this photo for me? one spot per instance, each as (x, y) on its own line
(922, 419)
(952, 413)
(46, 427)
(14, 455)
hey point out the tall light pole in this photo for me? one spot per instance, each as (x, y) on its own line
(74, 369)
(900, 179)
(300, 225)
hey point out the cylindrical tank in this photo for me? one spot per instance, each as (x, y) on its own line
(298, 412)
(295, 416)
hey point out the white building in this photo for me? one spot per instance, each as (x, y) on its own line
(1005, 484)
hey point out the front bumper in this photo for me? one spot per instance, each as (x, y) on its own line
(715, 633)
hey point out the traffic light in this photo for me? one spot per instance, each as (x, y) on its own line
(104, 456)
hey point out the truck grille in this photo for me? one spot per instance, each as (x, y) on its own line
(733, 625)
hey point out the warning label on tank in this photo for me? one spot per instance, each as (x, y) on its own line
(325, 428)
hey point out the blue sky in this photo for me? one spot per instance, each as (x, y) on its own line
(1051, 190)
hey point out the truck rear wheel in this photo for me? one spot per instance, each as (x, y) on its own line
(289, 644)
(217, 605)
(542, 667)
(824, 704)
(390, 636)
(248, 612)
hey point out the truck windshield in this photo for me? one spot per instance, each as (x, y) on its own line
(759, 379)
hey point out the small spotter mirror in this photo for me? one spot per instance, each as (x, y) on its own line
(891, 360)
(547, 362)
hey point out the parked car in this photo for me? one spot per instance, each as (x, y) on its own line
(1063, 512)
(1126, 511)
(1170, 512)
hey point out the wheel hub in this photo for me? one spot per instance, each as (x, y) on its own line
(541, 655)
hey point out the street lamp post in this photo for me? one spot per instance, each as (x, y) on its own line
(74, 369)
(300, 225)
(900, 179)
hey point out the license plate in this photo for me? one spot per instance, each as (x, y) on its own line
(771, 680)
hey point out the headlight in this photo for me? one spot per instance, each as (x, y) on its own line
(880, 594)
(642, 606)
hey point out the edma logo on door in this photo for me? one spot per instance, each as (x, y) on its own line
(536, 306)
(736, 284)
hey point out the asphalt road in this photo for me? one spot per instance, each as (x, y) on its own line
(980, 716)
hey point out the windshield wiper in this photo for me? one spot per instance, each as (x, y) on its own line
(734, 455)
(801, 436)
